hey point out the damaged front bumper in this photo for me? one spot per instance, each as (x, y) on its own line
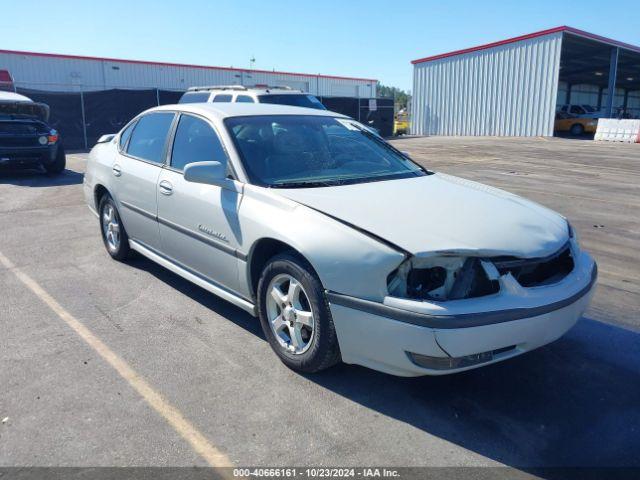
(412, 337)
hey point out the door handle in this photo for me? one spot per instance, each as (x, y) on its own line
(165, 187)
(117, 171)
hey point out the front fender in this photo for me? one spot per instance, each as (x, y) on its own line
(346, 260)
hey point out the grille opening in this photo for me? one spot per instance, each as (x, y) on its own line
(421, 281)
(470, 281)
(538, 271)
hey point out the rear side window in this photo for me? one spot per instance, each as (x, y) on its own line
(149, 137)
(195, 141)
(244, 99)
(222, 97)
(124, 136)
(194, 97)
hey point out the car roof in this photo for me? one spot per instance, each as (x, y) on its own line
(225, 110)
(13, 97)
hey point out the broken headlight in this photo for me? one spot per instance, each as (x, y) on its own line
(442, 278)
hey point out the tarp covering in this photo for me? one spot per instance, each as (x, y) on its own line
(107, 111)
(65, 114)
(380, 117)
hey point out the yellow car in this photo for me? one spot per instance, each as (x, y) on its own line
(574, 125)
(401, 123)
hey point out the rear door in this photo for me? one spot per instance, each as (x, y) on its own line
(199, 225)
(136, 173)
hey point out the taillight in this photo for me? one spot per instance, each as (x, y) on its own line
(52, 137)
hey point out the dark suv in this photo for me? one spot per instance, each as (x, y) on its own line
(26, 140)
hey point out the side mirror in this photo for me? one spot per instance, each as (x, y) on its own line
(406, 154)
(209, 173)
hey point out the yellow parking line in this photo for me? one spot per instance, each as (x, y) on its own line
(171, 414)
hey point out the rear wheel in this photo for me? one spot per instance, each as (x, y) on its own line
(295, 315)
(114, 235)
(59, 164)
(577, 129)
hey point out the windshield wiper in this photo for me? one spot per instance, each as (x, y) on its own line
(306, 184)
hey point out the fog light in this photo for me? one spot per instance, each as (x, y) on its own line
(42, 140)
(450, 363)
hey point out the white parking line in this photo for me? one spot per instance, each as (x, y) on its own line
(171, 414)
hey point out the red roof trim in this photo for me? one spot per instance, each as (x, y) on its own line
(186, 65)
(541, 33)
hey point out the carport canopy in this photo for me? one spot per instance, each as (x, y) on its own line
(592, 66)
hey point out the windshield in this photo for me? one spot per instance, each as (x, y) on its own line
(308, 101)
(589, 108)
(298, 151)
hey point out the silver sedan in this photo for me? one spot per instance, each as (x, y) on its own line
(342, 246)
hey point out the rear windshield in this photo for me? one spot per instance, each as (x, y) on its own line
(308, 101)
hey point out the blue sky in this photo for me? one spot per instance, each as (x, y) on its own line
(372, 39)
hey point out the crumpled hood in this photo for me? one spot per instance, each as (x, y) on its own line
(438, 213)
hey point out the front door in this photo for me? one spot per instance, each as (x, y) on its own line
(198, 223)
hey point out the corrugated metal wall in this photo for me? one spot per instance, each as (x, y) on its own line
(55, 73)
(508, 90)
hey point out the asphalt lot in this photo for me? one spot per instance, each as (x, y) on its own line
(575, 402)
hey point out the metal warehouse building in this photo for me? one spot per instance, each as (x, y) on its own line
(514, 87)
(91, 96)
(63, 73)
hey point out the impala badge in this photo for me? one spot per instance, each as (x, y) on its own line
(213, 233)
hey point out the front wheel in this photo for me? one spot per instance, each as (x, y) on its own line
(295, 315)
(114, 235)
(577, 129)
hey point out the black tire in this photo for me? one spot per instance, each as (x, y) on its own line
(577, 129)
(59, 164)
(122, 251)
(323, 352)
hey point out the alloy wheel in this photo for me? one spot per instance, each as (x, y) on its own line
(111, 227)
(290, 314)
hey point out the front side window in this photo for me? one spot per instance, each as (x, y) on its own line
(296, 151)
(195, 141)
(222, 97)
(244, 99)
(149, 136)
(124, 136)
